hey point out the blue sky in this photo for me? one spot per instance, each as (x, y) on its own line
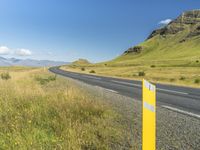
(66, 30)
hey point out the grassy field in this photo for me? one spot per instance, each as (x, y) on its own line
(39, 110)
(163, 59)
(186, 76)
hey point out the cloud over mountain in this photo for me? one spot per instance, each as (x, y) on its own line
(165, 22)
(4, 50)
(23, 52)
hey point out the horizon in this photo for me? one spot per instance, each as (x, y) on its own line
(26, 58)
(69, 30)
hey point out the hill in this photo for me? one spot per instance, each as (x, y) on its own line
(170, 54)
(179, 40)
(81, 62)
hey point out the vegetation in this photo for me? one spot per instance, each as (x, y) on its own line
(153, 66)
(197, 81)
(41, 111)
(141, 73)
(170, 53)
(45, 79)
(5, 76)
(81, 62)
(82, 69)
(182, 78)
(160, 73)
(92, 71)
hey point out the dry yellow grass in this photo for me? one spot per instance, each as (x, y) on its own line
(184, 76)
(38, 111)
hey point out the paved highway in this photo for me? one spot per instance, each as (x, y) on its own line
(176, 98)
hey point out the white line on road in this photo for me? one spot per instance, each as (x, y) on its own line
(178, 92)
(91, 77)
(181, 111)
(126, 83)
(113, 91)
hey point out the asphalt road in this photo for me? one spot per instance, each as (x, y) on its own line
(184, 100)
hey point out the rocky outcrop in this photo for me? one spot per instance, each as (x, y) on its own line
(185, 20)
(189, 17)
(135, 49)
(194, 33)
(188, 23)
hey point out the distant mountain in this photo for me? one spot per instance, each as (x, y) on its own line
(29, 62)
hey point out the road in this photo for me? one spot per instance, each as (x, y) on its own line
(184, 100)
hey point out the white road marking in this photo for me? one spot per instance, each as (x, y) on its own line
(113, 91)
(91, 77)
(126, 83)
(181, 111)
(178, 92)
(171, 91)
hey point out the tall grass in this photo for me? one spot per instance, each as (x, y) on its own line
(54, 115)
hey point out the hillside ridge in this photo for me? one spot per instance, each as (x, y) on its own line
(186, 27)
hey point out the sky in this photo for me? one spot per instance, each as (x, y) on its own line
(97, 30)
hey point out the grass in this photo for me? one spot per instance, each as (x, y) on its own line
(41, 111)
(184, 76)
(163, 60)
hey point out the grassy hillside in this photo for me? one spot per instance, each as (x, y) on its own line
(171, 54)
(39, 110)
(81, 62)
(176, 43)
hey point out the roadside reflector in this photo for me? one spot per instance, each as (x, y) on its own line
(149, 116)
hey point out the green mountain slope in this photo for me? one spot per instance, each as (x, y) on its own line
(179, 40)
(170, 54)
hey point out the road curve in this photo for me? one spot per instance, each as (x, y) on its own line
(182, 99)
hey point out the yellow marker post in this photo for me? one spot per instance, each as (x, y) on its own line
(149, 116)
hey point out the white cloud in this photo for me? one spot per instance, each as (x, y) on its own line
(23, 52)
(4, 50)
(165, 22)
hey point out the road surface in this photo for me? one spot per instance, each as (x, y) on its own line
(184, 100)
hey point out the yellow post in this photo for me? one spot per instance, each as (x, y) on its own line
(149, 116)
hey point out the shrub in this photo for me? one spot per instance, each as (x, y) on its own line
(92, 71)
(172, 80)
(182, 78)
(52, 78)
(5, 76)
(153, 66)
(44, 80)
(197, 81)
(197, 61)
(82, 69)
(141, 73)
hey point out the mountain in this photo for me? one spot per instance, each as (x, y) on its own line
(179, 40)
(4, 62)
(81, 62)
(29, 62)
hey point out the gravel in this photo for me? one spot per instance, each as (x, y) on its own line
(175, 131)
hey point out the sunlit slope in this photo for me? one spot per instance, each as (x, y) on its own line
(170, 54)
(180, 40)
